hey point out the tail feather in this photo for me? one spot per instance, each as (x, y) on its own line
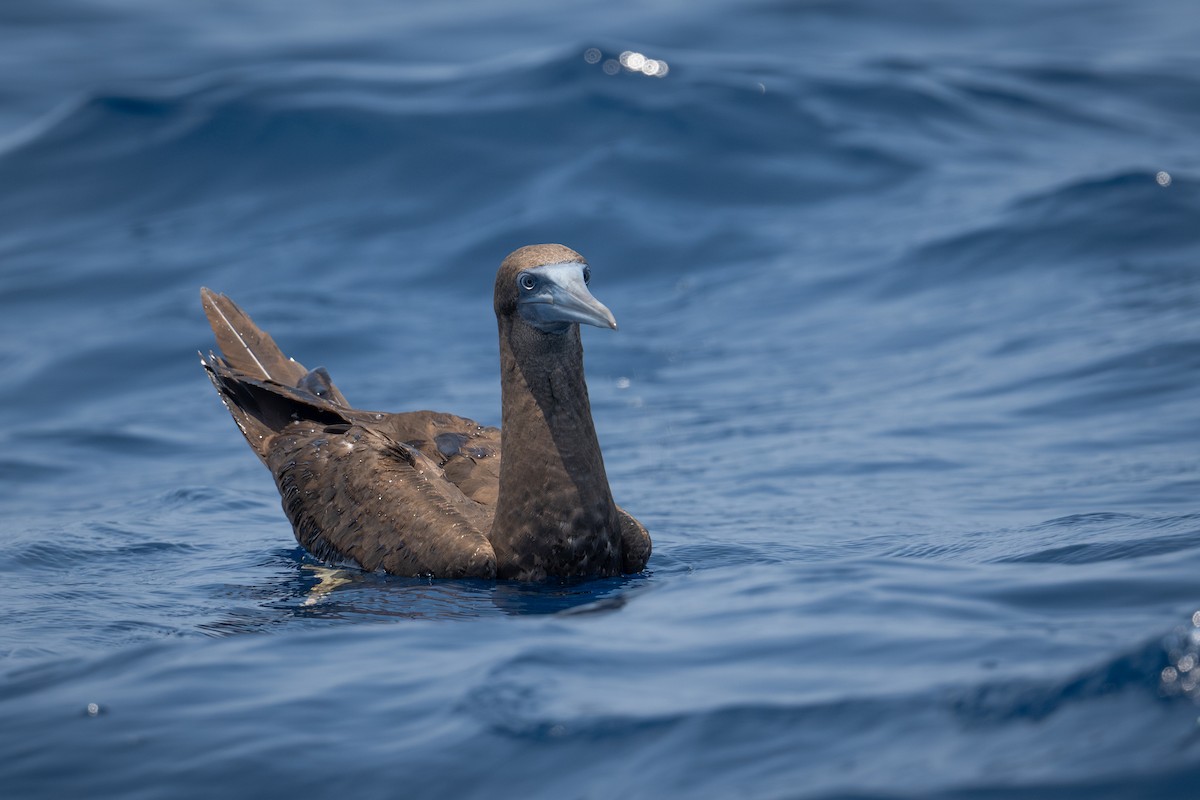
(263, 389)
(246, 347)
(264, 408)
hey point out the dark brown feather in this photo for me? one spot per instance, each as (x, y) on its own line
(350, 493)
(244, 346)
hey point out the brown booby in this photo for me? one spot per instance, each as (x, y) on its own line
(430, 494)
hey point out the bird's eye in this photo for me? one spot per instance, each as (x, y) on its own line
(527, 281)
(587, 275)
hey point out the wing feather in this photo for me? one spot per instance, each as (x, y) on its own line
(354, 493)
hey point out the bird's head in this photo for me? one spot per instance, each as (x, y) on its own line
(546, 287)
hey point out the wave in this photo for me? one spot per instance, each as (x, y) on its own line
(255, 132)
(1085, 226)
(340, 159)
(552, 698)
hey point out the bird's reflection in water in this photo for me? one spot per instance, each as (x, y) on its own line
(567, 597)
(312, 590)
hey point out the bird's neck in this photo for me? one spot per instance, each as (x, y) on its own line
(555, 514)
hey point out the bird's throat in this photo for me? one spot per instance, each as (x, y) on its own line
(554, 514)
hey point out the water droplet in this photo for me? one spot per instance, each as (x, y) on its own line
(1164, 179)
(623, 383)
(592, 55)
(93, 709)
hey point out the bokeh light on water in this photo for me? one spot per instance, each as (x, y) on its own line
(630, 61)
(1182, 675)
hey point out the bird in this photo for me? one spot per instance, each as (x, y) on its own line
(431, 494)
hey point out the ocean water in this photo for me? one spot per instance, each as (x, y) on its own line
(906, 389)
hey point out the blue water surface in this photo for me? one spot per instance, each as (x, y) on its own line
(907, 390)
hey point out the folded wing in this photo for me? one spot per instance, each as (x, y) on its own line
(410, 494)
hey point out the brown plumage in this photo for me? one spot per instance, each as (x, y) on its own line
(424, 493)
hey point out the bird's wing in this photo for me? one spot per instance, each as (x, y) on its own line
(352, 492)
(412, 494)
(468, 453)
